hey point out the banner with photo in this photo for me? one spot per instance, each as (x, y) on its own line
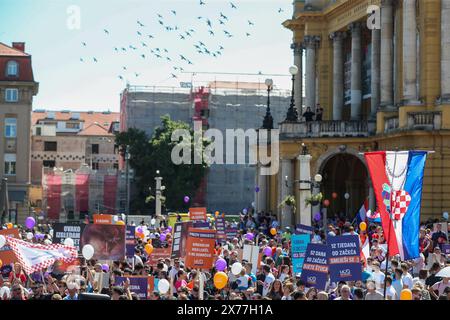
(344, 258)
(315, 266)
(108, 241)
(179, 239)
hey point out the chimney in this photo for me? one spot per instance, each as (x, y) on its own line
(19, 46)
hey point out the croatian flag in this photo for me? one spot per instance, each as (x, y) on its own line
(374, 216)
(362, 214)
(397, 181)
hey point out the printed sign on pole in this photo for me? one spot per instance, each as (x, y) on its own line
(315, 266)
(159, 253)
(304, 229)
(6, 252)
(108, 241)
(344, 258)
(138, 285)
(179, 239)
(200, 248)
(220, 228)
(197, 214)
(61, 231)
(103, 218)
(299, 245)
(130, 241)
(251, 254)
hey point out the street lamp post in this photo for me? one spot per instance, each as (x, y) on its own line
(292, 114)
(158, 193)
(268, 119)
(127, 178)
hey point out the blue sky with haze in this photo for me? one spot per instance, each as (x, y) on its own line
(66, 82)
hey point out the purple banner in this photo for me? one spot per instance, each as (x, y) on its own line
(130, 241)
(231, 233)
(446, 248)
(200, 224)
(344, 258)
(138, 285)
(315, 266)
(304, 229)
(220, 229)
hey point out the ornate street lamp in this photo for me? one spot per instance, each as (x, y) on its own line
(268, 119)
(292, 115)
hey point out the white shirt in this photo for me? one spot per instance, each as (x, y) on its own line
(266, 287)
(407, 280)
(282, 277)
(378, 277)
(390, 292)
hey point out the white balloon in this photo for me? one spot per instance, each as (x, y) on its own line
(123, 216)
(68, 242)
(29, 236)
(115, 218)
(163, 286)
(236, 268)
(47, 242)
(2, 240)
(88, 251)
(153, 221)
(51, 232)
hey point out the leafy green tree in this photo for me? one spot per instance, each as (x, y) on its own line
(150, 154)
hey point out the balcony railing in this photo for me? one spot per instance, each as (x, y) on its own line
(424, 120)
(390, 124)
(329, 128)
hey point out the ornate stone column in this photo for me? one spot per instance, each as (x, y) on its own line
(338, 74)
(298, 61)
(375, 72)
(445, 51)
(356, 92)
(386, 54)
(311, 43)
(305, 188)
(409, 52)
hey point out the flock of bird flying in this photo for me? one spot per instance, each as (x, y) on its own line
(145, 50)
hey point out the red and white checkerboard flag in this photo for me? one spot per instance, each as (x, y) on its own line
(36, 257)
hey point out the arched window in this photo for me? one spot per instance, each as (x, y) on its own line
(12, 68)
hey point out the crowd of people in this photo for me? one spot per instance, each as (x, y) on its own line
(273, 280)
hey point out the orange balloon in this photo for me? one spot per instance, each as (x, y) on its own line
(1, 263)
(9, 225)
(406, 294)
(326, 202)
(220, 280)
(148, 248)
(273, 231)
(140, 235)
(120, 223)
(362, 226)
(217, 213)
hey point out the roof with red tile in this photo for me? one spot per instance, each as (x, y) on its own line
(8, 53)
(94, 123)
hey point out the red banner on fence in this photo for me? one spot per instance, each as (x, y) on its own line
(109, 193)
(53, 196)
(82, 192)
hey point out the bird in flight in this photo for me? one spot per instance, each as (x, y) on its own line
(219, 53)
(208, 22)
(174, 12)
(214, 55)
(175, 68)
(250, 23)
(95, 59)
(280, 10)
(173, 76)
(166, 51)
(168, 59)
(116, 49)
(123, 49)
(182, 57)
(207, 51)
(188, 34)
(199, 17)
(136, 74)
(139, 34)
(202, 44)
(157, 49)
(84, 44)
(182, 37)
(143, 44)
(158, 56)
(223, 16)
(120, 77)
(191, 30)
(150, 36)
(221, 48)
(160, 22)
(190, 62)
(211, 32)
(233, 6)
(221, 22)
(181, 69)
(124, 68)
(160, 16)
(106, 31)
(143, 56)
(140, 23)
(197, 46)
(202, 3)
(81, 59)
(247, 34)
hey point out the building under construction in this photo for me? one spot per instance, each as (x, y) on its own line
(220, 105)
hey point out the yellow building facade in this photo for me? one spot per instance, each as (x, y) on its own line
(381, 72)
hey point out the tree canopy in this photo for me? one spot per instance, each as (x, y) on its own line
(148, 154)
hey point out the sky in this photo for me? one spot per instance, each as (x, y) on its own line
(65, 36)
